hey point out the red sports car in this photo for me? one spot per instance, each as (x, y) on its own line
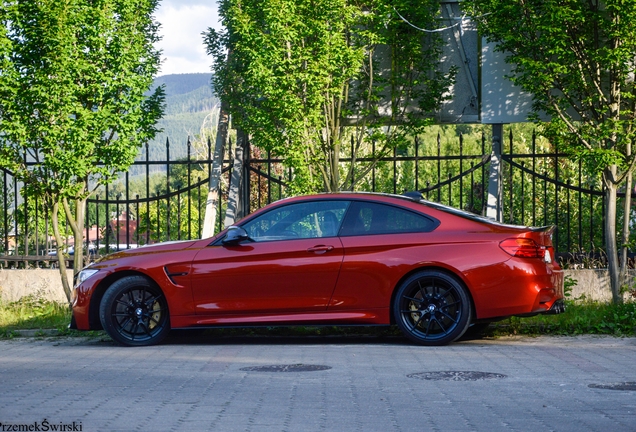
(335, 259)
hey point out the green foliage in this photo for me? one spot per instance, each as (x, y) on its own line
(73, 111)
(72, 81)
(298, 73)
(577, 59)
(33, 312)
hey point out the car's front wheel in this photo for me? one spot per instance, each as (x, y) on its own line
(134, 312)
(432, 308)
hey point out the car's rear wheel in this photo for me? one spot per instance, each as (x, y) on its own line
(134, 312)
(432, 308)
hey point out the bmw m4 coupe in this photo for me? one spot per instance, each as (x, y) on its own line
(329, 259)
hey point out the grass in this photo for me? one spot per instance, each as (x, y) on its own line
(32, 313)
(581, 317)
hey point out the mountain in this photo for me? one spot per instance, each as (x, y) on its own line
(189, 99)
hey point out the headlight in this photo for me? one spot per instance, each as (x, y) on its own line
(83, 275)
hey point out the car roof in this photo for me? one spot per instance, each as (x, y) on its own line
(412, 197)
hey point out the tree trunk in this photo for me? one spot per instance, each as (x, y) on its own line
(610, 234)
(76, 221)
(58, 247)
(215, 171)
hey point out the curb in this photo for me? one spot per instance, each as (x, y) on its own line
(35, 332)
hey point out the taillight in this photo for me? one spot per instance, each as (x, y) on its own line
(524, 248)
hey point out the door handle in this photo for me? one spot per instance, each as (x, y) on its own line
(320, 249)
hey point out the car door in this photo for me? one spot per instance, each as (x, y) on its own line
(290, 265)
(382, 242)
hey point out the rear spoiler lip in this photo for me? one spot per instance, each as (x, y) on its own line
(547, 229)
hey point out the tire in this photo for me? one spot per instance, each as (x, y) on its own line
(134, 312)
(432, 308)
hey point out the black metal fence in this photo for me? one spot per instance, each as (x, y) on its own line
(163, 200)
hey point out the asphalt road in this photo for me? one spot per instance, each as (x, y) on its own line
(199, 383)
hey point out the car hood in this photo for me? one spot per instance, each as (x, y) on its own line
(169, 246)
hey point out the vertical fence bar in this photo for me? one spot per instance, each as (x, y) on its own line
(394, 170)
(592, 218)
(461, 171)
(417, 163)
(580, 218)
(26, 216)
(483, 175)
(373, 168)
(5, 196)
(523, 195)
(545, 199)
(107, 222)
(37, 228)
(353, 166)
(137, 219)
(189, 190)
(117, 219)
(567, 215)
(127, 213)
(258, 192)
(158, 217)
(15, 216)
(269, 177)
(199, 207)
(534, 183)
(87, 231)
(512, 207)
(439, 166)
(167, 190)
(472, 189)
(46, 229)
(147, 194)
(556, 196)
(178, 216)
(26, 225)
(97, 225)
(603, 210)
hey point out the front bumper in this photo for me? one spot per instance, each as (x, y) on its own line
(72, 325)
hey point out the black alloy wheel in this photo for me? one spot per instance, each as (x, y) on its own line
(134, 312)
(432, 308)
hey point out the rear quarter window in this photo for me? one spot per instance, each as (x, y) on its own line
(365, 218)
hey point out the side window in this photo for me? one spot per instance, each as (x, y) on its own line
(303, 220)
(371, 218)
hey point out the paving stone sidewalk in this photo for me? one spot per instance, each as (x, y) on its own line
(198, 383)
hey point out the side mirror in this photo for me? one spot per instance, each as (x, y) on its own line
(235, 235)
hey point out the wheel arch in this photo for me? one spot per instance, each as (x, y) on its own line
(96, 298)
(454, 274)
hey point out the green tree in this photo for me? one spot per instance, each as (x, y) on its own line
(73, 113)
(307, 80)
(577, 59)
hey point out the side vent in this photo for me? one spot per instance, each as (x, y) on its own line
(176, 270)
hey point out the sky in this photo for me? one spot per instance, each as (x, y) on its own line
(182, 22)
